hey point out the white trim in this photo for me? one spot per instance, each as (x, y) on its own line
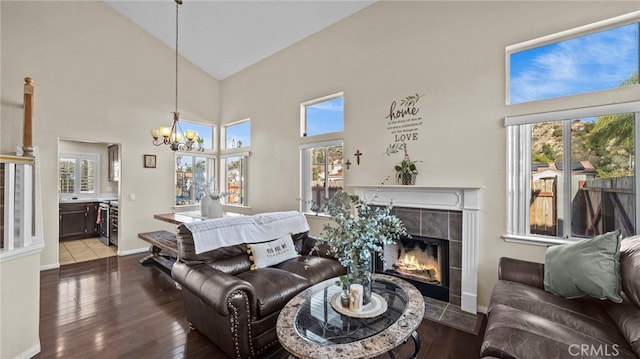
(16, 253)
(306, 146)
(534, 240)
(132, 251)
(616, 108)
(235, 154)
(50, 266)
(577, 31)
(31, 352)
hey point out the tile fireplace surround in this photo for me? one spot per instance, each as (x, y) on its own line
(463, 199)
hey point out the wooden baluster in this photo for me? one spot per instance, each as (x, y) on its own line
(27, 146)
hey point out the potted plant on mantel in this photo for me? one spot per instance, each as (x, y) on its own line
(406, 171)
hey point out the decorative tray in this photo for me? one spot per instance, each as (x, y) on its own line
(376, 306)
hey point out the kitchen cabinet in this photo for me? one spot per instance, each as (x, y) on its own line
(78, 220)
(114, 163)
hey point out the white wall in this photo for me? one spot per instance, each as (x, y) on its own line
(453, 52)
(97, 77)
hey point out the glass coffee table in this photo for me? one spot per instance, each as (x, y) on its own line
(309, 327)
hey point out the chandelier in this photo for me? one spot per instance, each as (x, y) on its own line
(173, 135)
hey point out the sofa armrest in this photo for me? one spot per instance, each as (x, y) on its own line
(214, 287)
(516, 270)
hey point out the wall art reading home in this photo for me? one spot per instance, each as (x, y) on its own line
(403, 119)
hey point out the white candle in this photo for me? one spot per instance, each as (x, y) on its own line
(356, 291)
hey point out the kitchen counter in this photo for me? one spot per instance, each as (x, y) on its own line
(86, 200)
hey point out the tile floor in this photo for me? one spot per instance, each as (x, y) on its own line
(82, 250)
(451, 315)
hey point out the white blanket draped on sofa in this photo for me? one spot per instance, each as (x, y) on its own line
(228, 231)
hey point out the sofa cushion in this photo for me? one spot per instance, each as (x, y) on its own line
(514, 333)
(315, 269)
(273, 288)
(630, 268)
(272, 252)
(627, 317)
(590, 267)
(577, 315)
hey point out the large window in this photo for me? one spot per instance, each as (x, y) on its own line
(321, 116)
(192, 174)
(205, 134)
(571, 171)
(235, 159)
(600, 60)
(321, 163)
(79, 174)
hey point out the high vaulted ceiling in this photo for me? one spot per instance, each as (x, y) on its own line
(224, 37)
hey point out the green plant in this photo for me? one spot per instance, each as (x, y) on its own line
(407, 167)
(358, 228)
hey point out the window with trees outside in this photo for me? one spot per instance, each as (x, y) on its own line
(322, 173)
(235, 159)
(192, 174)
(571, 171)
(79, 173)
(321, 162)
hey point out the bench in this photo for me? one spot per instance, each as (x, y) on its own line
(160, 241)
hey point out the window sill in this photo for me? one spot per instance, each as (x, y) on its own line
(534, 240)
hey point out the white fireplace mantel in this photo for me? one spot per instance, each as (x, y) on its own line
(464, 199)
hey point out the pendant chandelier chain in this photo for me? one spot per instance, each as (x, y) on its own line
(177, 7)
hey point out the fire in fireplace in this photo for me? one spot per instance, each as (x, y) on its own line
(422, 261)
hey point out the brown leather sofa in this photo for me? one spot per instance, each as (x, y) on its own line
(525, 321)
(235, 307)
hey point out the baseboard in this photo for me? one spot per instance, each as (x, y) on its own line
(133, 251)
(31, 352)
(50, 266)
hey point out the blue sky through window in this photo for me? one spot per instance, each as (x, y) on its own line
(598, 61)
(325, 117)
(204, 131)
(238, 135)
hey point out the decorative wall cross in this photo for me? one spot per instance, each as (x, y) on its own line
(358, 154)
(348, 163)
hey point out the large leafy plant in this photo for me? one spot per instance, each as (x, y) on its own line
(358, 228)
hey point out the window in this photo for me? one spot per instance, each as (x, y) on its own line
(571, 172)
(235, 175)
(322, 173)
(79, 173)
(235, 159)
(238, 135)
(574, 176)
(192, 174)
(205, 133)
(321, 116)
(595, 61)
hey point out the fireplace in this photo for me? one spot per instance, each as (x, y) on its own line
(446, 213)
(423, 261)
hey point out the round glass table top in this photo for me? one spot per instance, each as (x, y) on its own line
(309, 327)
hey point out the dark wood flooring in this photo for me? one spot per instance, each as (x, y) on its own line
(117, 308)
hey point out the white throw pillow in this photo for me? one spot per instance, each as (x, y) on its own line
(271, 253)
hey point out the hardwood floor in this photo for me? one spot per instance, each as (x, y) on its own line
(116, 308)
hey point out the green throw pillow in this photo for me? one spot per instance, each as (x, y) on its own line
(590, 267)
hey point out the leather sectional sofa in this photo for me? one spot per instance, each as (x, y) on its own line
(236, 307)
(525, 321)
